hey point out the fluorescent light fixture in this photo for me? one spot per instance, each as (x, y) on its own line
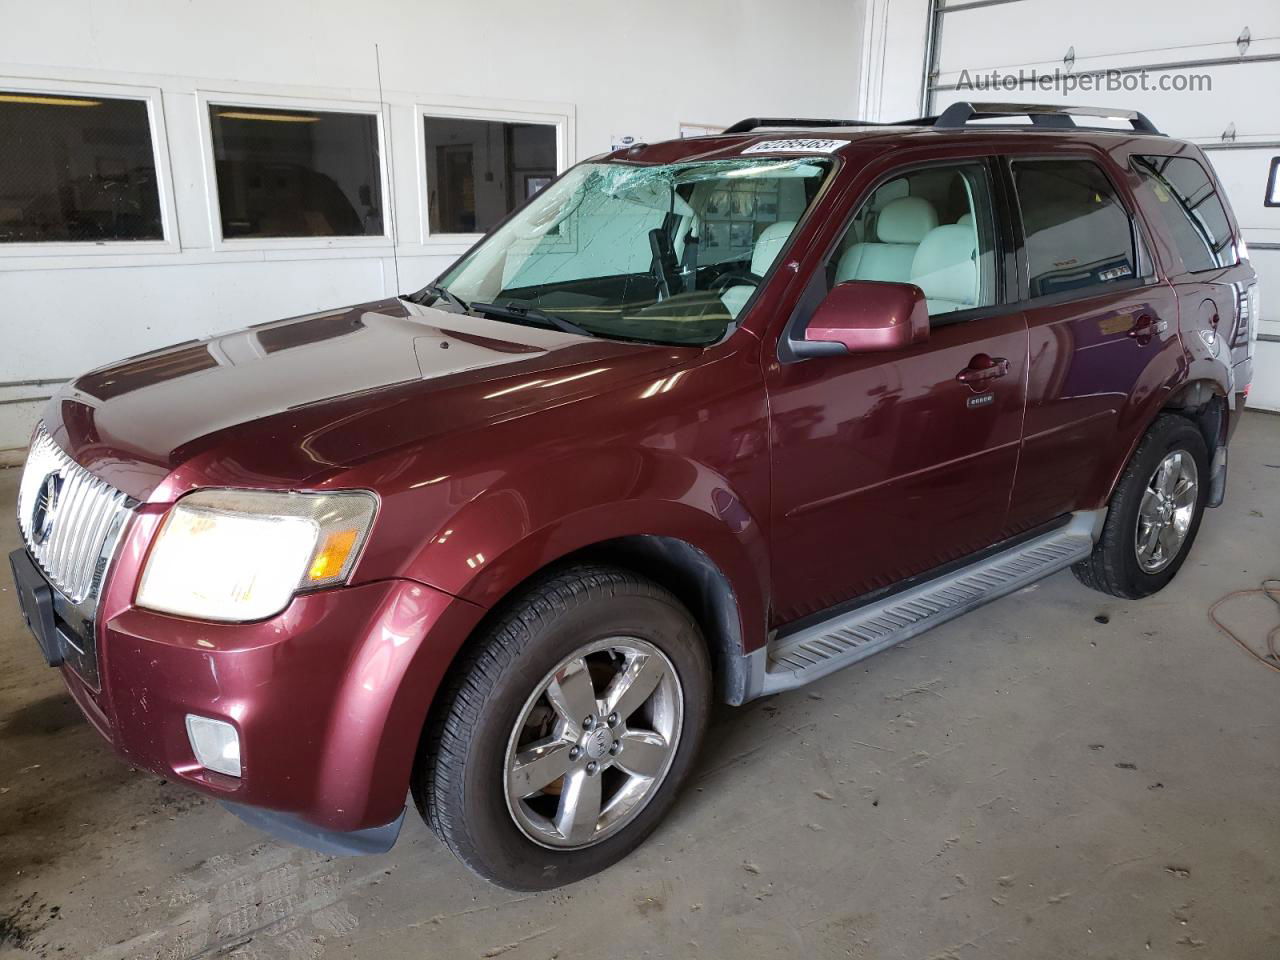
(273, 117)
(48, 101)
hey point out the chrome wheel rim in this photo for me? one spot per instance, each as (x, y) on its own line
(1165, 514)
(593, 743)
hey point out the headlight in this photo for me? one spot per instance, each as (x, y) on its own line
(242, 554)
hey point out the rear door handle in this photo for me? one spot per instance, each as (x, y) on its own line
(983, 368)
(1146, 327)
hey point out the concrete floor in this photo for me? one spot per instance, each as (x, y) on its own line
(1025, 782)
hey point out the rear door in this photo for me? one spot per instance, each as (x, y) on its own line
(1103, 331)
(886, 465)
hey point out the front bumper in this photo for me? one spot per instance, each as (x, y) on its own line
(328, 699)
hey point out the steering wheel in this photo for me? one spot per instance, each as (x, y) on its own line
(733, 278)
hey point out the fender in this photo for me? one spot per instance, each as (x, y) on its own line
(1201, 370)
(540, 515)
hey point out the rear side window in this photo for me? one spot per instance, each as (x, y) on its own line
(1078, 234)
(1191, 210)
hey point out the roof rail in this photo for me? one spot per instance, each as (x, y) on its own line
(958, 115)
(751, 123)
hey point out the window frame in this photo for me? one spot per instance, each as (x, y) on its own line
(152, 97)
(1132, 168)
(447, 243)
(206, 98)
(807, 300)
(1145, 272)
(999, 222)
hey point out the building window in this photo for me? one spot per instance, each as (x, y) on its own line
(478, 171)
(1273, 184)
(296, 173)
(78, 169)
(1078, 234)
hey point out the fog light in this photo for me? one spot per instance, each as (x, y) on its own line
(215, 744)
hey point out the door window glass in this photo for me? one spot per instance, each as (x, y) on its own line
(933, 228)
(1078, 235)
(1190, 208)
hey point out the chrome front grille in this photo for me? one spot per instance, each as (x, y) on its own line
(69, 519)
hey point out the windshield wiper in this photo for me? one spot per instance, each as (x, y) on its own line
(444, 293)
(513, 311)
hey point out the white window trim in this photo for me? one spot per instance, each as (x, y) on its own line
(152, 97)
(231, 99)
(445, 243)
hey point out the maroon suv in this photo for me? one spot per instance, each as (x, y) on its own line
(704, 419)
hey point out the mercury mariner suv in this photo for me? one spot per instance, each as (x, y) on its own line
(705, 419)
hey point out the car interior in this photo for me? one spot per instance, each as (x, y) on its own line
(921, 229)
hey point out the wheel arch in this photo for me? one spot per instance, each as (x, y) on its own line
(1205, 402)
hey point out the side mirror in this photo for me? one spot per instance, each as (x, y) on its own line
(860, 316)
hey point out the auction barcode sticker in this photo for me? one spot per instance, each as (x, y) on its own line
(797, 146)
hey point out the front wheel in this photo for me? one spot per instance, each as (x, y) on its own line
(567, 730)
(1154, 514)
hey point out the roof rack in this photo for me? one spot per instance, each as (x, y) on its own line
(752, 123)
(958, 115)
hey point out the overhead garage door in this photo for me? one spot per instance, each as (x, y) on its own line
(1204, 72)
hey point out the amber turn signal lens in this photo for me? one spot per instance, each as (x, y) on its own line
(332, 554)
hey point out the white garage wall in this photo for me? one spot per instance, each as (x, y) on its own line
(597, 69)
(978, 36)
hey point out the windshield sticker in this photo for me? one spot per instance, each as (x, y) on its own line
(797, 146)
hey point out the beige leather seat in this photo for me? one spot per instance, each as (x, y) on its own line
(902, 224)
(768, 245)
(945, 267)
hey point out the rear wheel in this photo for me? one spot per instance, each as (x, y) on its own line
(568, 730)
(1154, 514)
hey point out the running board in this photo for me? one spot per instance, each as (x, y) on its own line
(802, 657)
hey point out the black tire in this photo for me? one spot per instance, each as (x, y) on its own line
(1113, 566)
(458, 782)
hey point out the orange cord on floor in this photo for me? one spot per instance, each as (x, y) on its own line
(1271, 590)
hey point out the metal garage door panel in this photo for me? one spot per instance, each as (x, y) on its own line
(1040, 31)
(1234, 97)
(1244, 176)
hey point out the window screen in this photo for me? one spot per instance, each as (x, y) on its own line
(478, 171)
(1191, 209)
(76, 169)
(1078, 235)
(296, 173)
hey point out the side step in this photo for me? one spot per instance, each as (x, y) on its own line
(802, 657)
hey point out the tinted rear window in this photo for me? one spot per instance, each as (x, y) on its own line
(1078, 235)
(1191, 210)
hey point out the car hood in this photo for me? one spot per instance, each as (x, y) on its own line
(285, 403)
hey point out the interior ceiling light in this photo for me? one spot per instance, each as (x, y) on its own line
(48, 101)
(273, 117)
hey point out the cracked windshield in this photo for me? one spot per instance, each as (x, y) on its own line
(668, 254)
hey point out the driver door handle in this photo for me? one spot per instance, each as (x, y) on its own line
(983, 368)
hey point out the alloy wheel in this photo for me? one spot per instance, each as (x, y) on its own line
(1164, 516)
(593, 743)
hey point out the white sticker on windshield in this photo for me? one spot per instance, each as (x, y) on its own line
(797, 146)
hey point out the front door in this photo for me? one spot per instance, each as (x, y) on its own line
(886, 465)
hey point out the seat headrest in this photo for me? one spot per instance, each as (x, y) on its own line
(769, 245)
(946, 264)
(906, 220)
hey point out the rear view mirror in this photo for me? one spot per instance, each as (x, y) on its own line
(860, 316)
